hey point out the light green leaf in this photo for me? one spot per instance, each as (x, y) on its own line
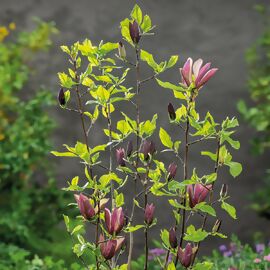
(169, 85)
(136, 14)
(235, 168)
(165, 138)
(63, 154)
(194, 235)
(205, 208)
(229, 209)
(146, 24)
(173, 60)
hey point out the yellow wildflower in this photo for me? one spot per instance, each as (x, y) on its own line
(3, 33)
(12, 26)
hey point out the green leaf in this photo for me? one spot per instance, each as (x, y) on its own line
(76, 229)
(235, 168)
(229, 209)
(206, 208)
(65, 80)
(171, 266)
(204, 266)
(165, 138)
(134, 228)
(173, 60)
(164, 234)
(149, 59)
(194, 235)
(146, 24)
(66, 219)
(119, 200)
(136, 14)
(209, 154)
(63, 154)
(169, 85)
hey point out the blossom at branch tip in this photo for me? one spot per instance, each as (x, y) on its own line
(61, 97)
(171, 112)
(196, 73)
(120, 155)
(107, 248)
(172, 170)
(185, 255)
(88, 211)
(147, 148)
(134, 32)
(121, 50)
(149, 213)
(114, 221)
(172, 238)
(197, 193)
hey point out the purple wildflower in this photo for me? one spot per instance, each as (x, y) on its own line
(260, 248)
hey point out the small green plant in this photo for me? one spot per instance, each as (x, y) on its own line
(129, 158)
(257, 115)
(30, 207)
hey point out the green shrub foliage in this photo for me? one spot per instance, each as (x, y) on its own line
(130, 158)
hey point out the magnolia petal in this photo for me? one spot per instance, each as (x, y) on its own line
(202, 72)
(187, 71)
(197, 66)
(207, 77)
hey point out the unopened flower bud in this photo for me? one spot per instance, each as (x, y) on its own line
(172, 238)
(61, 97)
(134, 32)
(85, 207)
(185, 256)
(120, 155)
(149, 213)
(172, 169)
(224, 190)
(147, 148)
(121, 50)
(129, 148)
(171, 112)
(216, 226)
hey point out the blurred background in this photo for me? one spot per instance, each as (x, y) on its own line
(223, 32)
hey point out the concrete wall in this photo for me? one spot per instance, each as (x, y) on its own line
(216, 30)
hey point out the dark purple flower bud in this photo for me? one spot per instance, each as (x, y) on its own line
(171, 112)
(86, 209)
(149, 213)
(224, 190)
(172, 169)
(197, 193)
(216, 226)
(115, 221)
(134, 32)
(147, 148)
(185, 256)
(121, 50)
(120, 155)
(129, 148)
(172, 238)
(107, 248)
(61, 97)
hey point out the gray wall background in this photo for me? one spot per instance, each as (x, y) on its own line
(216, 30)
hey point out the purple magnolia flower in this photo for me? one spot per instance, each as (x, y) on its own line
(260, 248)
(171, 112)
(172, 169)
(86, 208)
(196, 73)
(149, 213)
(115, 221)
(61, 97)
(134, 32)
(147, 148)
(185, 255)
(197, 193)
(107, 248)
(120, 155)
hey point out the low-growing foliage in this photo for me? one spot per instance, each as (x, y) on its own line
(31, 206)
(129, 158)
